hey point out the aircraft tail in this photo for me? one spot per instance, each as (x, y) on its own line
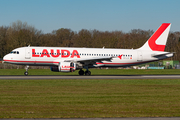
(157, 41)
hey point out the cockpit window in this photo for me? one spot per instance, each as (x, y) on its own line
(14, 52)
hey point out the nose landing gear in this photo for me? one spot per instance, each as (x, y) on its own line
(26, 73)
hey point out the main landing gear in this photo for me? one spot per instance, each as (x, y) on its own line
(87, 72)
(26, 73)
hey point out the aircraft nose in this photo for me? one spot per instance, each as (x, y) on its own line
(6, 58)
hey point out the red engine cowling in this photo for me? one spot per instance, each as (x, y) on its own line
(64, 67)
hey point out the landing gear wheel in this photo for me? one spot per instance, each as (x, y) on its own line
(81, 72)
(87, 72)
(26, 73)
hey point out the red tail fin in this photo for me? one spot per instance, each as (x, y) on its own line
(157, 41)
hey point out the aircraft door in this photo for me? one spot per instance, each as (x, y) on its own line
(71, 66)
(27, 53)
(139, 56)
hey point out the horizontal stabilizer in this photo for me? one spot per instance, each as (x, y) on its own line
(162, 54)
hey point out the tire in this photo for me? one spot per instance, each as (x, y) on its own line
(26, 73)
(88, 72)
(81, 72)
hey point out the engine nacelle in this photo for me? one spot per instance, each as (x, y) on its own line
(64, 67)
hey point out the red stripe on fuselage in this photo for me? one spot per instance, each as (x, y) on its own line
(19, 61)
(52, 62)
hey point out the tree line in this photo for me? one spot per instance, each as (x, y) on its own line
(20, 34)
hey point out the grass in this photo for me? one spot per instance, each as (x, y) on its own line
(93, 72)
(89, 98)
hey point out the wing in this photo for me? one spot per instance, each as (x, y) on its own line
(92, 60)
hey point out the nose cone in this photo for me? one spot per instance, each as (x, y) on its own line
(6, 58)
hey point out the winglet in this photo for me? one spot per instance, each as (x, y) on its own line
(157, 41)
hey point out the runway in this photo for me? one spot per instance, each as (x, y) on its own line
(94, 77)
(156, 118)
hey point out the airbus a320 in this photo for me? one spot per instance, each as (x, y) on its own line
(69, 59)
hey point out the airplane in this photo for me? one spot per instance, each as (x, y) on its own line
(69, 59)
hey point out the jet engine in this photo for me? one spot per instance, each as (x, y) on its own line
(64, 67)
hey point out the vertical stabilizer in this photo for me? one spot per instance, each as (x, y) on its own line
(157, 41)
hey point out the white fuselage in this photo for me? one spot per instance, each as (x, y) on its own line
(51, 56)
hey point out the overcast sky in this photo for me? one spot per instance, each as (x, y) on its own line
(103, 15)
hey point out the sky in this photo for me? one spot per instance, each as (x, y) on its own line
(102, 15)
